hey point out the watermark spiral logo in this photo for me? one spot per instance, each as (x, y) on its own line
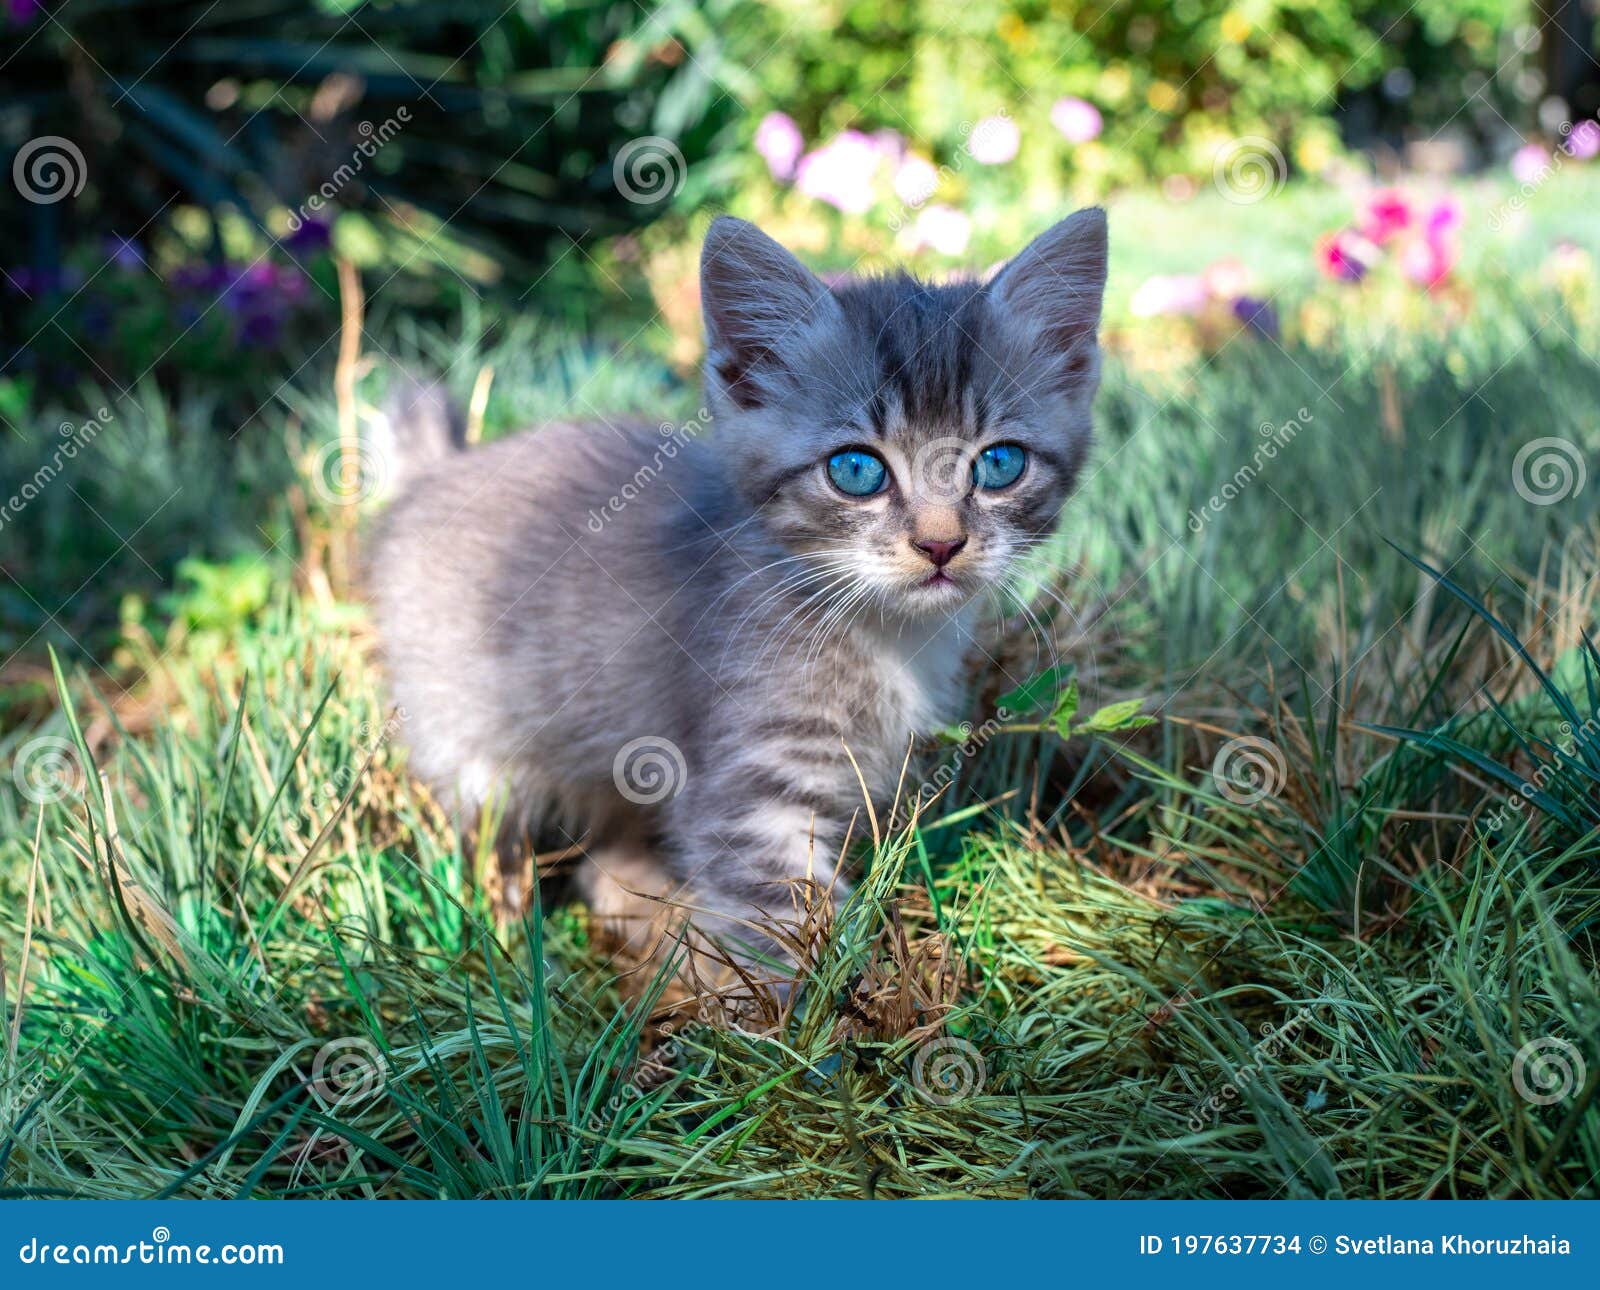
(342, 481)
(947, 1070)
(1547, 471)
(1547, 1070)
(49, 169)
(161, 1235)
(46, 770)
(347, 1071)
(1249, 169)
(941, 470)
(649, 770)
(1248, 770)
(649, 170)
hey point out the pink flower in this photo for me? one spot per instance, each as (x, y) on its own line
(994, 141)
(1388, 214)
(841, 172)
(1428, 262)
(1443, 218)
(1584, 141)
(780, 143)
(891, 145)
(1077, 119)
(1528, 163)
(1162, 294)
(1345, 256)
(915, 180)
(947, 231)
(1226, 279)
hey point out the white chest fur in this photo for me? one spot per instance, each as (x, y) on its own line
(920, 669)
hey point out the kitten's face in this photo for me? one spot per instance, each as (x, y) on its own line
(912, 440)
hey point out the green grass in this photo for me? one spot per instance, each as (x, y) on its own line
(258, 963)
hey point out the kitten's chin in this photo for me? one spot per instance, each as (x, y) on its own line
(940, 592)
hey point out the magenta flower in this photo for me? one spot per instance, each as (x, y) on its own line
(1345, 256)
(1388, 214)
(1444, 218)
(780, 143)
(994, 141)
(947, 231)
(1528, 163)
(841, 172)
(915, 180)
(1183, 293)
(1078, 120)
(1584, 141)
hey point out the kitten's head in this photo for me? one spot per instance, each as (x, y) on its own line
(914, 437)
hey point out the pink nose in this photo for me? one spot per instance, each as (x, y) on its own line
(940, 553)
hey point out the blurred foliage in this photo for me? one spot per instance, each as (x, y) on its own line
(1174, 78)
(477, 140)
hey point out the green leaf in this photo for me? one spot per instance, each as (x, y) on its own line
(1066, 708)
(1116, 716)
(1035, 692)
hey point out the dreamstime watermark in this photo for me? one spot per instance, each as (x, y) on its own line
(649, 770)
(35, 1074)
(1566, 748)
(1528, 187)
(947, 1070)
(1274, 1039)
(941, 470)
(674, 439)
(46, 770)
(634, 1092)
(348, 1072)
(973, 738)
(922, 179)
(649, 170)
(160, 1250)
(370, 739)
(74, 437)
(1548, 470)
(1274, 439)
(1547, 1070)
(1249, 770)
(1249, 169)
(49, 169)
(352, 478)
(373, 138)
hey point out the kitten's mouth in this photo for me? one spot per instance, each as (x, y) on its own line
(938, 578)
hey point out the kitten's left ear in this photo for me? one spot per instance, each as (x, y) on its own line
(1055, 285)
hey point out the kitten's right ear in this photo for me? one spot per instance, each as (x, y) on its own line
(756, 297)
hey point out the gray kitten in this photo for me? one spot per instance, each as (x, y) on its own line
(692, 651)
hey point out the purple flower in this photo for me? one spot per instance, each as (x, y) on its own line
(124, 253)
(994, 141)
(310, 237)
(780, 143)
(1584, 141)
(260, 330)
(1078, 120)
(1257, 315)
(841, 172)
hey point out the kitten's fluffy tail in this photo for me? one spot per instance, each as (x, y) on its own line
(419, 425)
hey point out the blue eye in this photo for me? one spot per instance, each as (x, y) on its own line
(858, 473)
(999, 465)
